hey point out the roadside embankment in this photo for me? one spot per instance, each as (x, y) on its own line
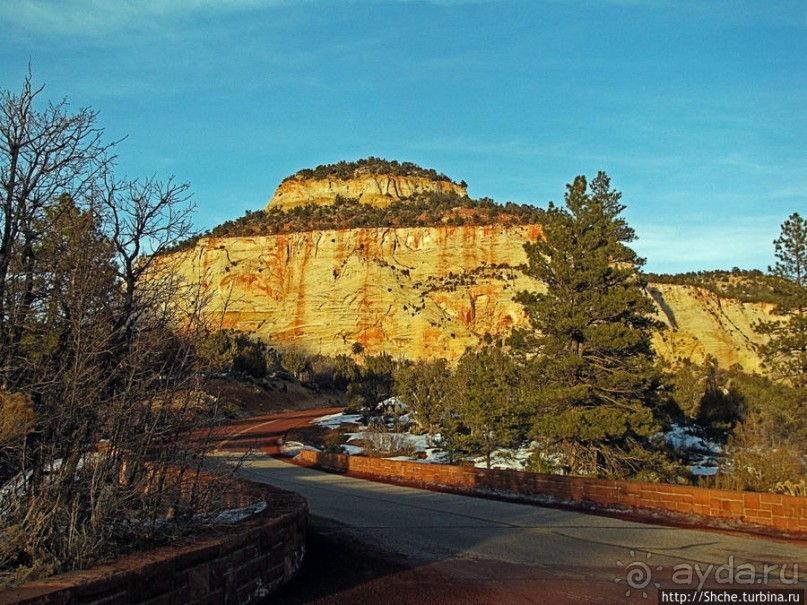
(237, 563)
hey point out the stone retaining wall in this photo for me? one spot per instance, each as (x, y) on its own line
(236, 564)
(723, 508)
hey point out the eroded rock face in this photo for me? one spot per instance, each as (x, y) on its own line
(374, 190)
(423, 292)
(701, 323)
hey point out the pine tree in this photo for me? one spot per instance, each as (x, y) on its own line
(484, 411)
(596, 380)
(791, 252)
(786, 352)
(424, 387)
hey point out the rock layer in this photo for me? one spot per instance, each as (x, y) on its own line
(374, 190)
(421, 293)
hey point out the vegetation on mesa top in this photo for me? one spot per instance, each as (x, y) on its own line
(752, 286)
(423, 210)
(372, 166)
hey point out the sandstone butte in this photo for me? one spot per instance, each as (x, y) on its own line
(374, 190)
(421, 292)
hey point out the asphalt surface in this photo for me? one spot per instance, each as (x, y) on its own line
(264, 433)
(379, 543)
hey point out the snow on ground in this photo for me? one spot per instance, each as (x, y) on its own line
(291, 448)
(703, 452)
(392, 405)
(239, 514)
(686, 438)
(16, 487)
(334, 421)
(424, 447)
(510, 459)
(435, 455)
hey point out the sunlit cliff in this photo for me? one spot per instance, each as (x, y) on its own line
(421, 292)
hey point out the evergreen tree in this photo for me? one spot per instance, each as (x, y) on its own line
(597, 384)
(424, 387)
(786, 352)
(791, 253)
(372, 386)
(766, 450)
(484, 412)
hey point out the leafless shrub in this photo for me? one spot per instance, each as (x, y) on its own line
(381, 442)
(103, 424)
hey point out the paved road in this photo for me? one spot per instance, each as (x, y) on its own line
(263, 433)
(452, 548)
(529, 549)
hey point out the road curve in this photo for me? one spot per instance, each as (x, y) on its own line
(263, 433)
(454, 548)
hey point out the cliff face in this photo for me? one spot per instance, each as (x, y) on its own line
(375, 190)
(417, 293)
(701, 323)
(421, 293)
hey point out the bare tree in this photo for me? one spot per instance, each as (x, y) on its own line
(42, 155)
(99, 388)
(143, 219)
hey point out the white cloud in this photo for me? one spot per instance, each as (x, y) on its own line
(712, 243)
(438, 2)
(100, 17)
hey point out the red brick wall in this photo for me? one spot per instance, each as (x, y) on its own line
(239, 564)
(774, 512)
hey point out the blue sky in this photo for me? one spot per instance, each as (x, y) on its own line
(697, 109)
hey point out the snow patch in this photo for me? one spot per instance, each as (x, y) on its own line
(236, 515)
(334, 421)
(291, 448)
